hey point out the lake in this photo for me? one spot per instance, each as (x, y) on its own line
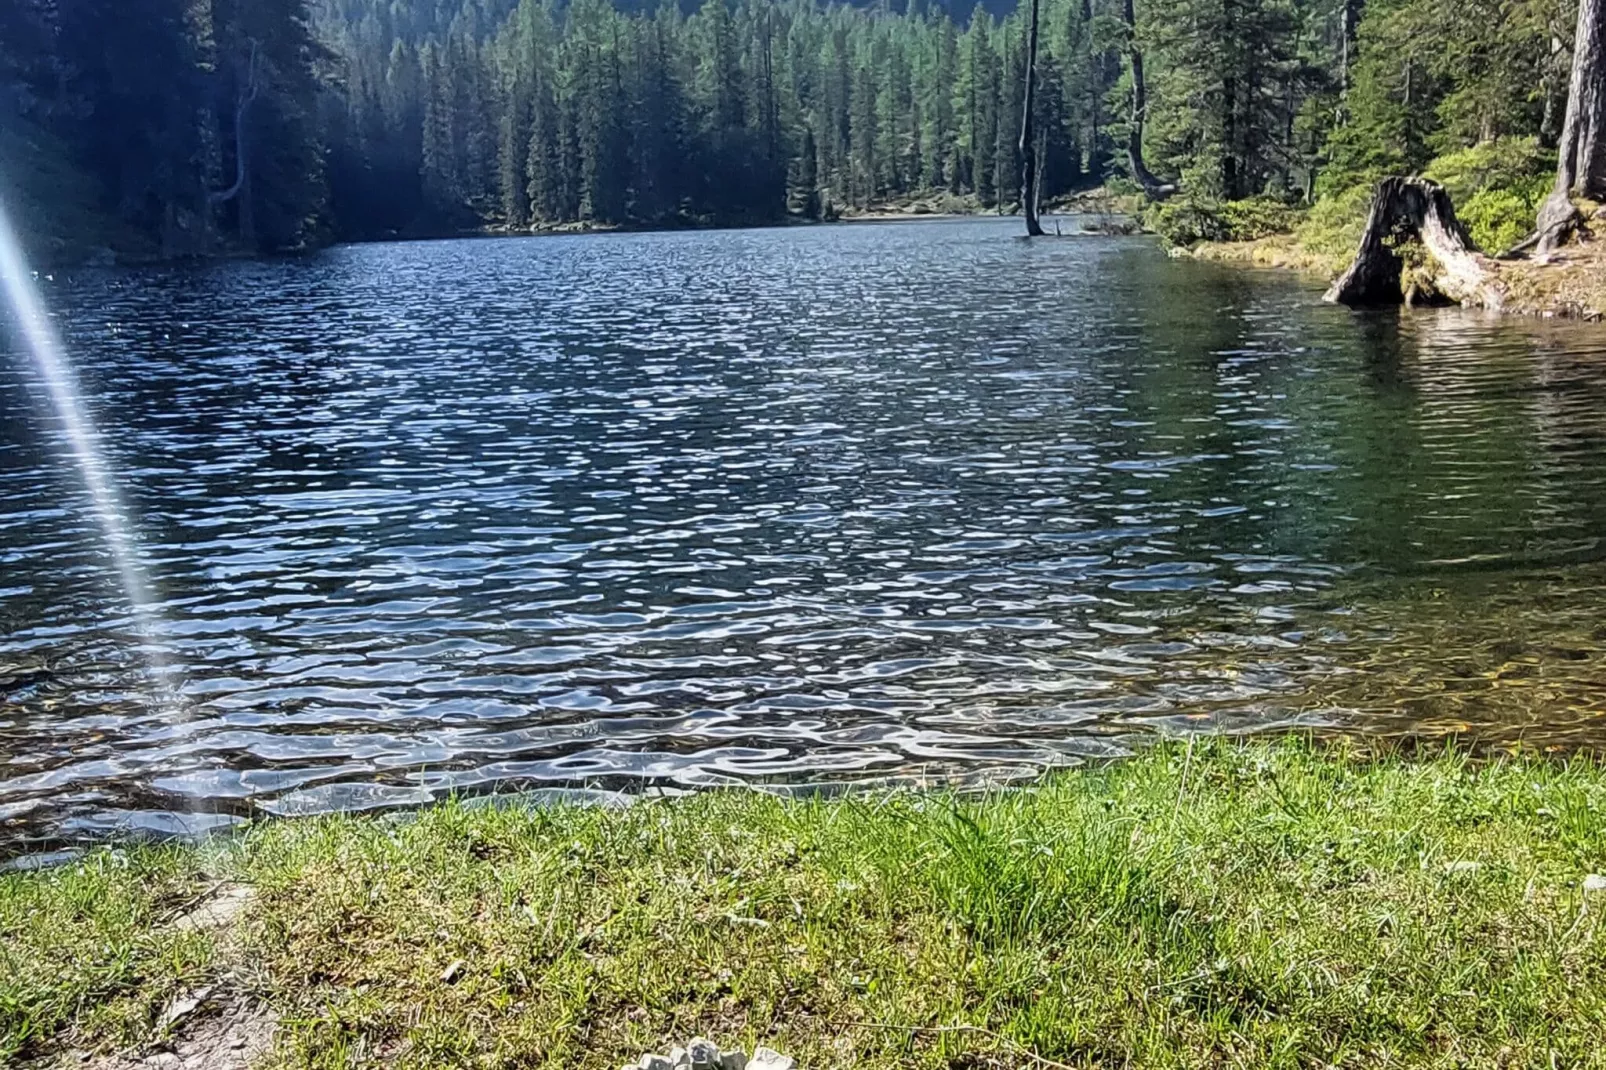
(906, 503)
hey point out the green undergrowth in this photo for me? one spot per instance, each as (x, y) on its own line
(1264, 905)
(1496, 187)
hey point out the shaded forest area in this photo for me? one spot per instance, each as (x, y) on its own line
(165, 127)
(180, 127)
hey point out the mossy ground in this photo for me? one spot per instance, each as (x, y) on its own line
(1572, 284)
(1265, 905)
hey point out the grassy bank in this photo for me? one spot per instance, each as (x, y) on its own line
(1265, 906)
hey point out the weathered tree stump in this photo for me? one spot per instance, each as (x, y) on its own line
(1416, 208)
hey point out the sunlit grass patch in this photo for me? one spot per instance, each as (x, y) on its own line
(1264, 905)
(85, 954)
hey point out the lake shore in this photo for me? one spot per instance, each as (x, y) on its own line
(1494, 189)
(1572, 285)
(1267, 904)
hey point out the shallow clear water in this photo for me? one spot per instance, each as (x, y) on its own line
(791, 506)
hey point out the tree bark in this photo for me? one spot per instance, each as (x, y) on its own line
(1153, 188)
(241, 187)
(1229, 138)
(1553, 86)
(1406, 208)
(1581, 158)
(1028, 143)
(1350, 19)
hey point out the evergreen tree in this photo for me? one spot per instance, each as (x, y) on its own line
(192, 125)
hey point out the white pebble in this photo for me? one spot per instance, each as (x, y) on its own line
(703, 1053)
(770, 1059)
(1595, 882)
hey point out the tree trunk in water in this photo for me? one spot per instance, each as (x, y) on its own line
(1405, 208)
(1152, 186)
(1581, 160)
(246, 209)
(1028, 143)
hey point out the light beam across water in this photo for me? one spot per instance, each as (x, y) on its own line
(39, 337)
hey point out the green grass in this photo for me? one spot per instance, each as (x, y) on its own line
(1269, 905)
(84, 951)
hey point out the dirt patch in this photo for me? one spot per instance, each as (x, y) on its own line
(221, 1034)
(1572, 283)
(215, 1027)
(218, 910)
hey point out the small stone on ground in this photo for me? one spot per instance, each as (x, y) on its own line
(704, 1054)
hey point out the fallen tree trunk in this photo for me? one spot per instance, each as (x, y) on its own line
(1405, 209)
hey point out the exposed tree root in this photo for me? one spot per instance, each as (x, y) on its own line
(1558, 221)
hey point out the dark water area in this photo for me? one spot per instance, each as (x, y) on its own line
(901, 503)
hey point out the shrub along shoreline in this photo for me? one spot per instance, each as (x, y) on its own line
(1267, 905)
(1496, 186)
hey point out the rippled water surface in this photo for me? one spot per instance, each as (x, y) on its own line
(913, 501)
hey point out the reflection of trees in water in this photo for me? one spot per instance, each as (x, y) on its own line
(1521, 411)
(1488, 478)
(1460, 456)
(1444, 443)
(1206, 368)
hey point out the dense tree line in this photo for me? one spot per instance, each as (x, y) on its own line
(174, 126)
(273, 123)
(539, 111)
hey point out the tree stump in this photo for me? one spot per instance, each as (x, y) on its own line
(1416, 208)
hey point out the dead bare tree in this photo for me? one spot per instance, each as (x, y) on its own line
(249, 89)
(1152, 186)
(1029, 163)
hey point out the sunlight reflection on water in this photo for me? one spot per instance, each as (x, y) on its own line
(824, 505)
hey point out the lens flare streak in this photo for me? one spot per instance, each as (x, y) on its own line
(39, 337)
